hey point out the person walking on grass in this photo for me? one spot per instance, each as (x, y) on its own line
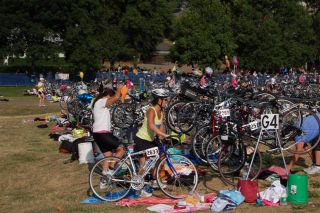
(40, 90)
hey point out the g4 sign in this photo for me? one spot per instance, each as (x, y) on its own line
(270, 121)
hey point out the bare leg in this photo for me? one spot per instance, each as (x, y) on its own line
(142, 161)
(119, 154)
(42, 98)
(299, 147)
(105, 165)
(317, 156)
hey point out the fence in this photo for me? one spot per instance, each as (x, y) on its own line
(19, 79)
(22, 79)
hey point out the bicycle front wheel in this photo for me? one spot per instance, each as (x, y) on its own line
(234, 163)
(112, 186)
(177, 176)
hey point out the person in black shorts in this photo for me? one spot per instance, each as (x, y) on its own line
(101, 128)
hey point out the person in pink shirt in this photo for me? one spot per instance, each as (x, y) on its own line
(234, 79)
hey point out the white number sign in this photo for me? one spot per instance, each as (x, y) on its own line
(152, 152)
(253, 125)
(224, 112)
(270, 121)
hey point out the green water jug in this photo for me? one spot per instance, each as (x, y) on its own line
(297, 189)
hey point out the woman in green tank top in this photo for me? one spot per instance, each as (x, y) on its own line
(152, 125)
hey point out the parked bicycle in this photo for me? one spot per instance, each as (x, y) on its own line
(176, 175)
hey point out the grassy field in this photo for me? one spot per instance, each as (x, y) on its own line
(14, 91)
(34, 178)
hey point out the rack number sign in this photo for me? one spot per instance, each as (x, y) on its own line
(270, 121)
(152, 152)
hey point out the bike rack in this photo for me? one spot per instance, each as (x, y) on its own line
(278, 143)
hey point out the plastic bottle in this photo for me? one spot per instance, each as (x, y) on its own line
(283, 199)
(147, 164)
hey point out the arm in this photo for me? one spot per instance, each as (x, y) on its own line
(162, 127)
(114, 98)
(152, 126)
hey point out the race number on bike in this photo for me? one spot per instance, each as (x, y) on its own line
(152, 152)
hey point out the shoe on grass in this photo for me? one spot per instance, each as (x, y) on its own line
(145, 193)
(306, 170)
(156, 186)
(314, 170)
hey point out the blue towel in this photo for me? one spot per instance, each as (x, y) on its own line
(131, 195)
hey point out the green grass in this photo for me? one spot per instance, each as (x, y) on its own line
(14, 91)
(315, 184)
(313, 194)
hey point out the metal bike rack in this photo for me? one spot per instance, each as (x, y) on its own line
(278, 143)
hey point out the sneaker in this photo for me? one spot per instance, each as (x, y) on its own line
(145, 194)
(156, 186)
(306, 170)
(103, 181)
(314, 170)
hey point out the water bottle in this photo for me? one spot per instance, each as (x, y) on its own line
(283, 199)
(147, 164)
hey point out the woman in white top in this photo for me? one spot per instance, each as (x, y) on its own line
(102, 134)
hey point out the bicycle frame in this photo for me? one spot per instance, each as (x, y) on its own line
(162, 154)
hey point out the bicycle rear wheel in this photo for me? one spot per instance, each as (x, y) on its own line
(177, 176)
(172, 116)
(187, 116)
(292, 126)
(113, 186)
(213, 149)
(200, 141)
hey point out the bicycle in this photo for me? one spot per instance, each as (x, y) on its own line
(176, 175)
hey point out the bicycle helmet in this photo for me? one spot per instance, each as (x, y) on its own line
(209, 71)
(160, 93)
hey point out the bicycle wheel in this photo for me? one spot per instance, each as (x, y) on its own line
(177, 176)
(204, 115)
(123, 115)
(232, 167)
(172, 116)
(200, 140)
(284, 105)
(113, 186)
(187, 116)
(213, 148)
(292, 126)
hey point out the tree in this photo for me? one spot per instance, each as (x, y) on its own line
(87, 31)
(143, 23)
(203, 34)
(272, 33)
(24, 30)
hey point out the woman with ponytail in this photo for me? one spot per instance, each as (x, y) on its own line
(102, 134)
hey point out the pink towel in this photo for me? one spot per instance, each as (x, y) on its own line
(279, 171)
(146, 201)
